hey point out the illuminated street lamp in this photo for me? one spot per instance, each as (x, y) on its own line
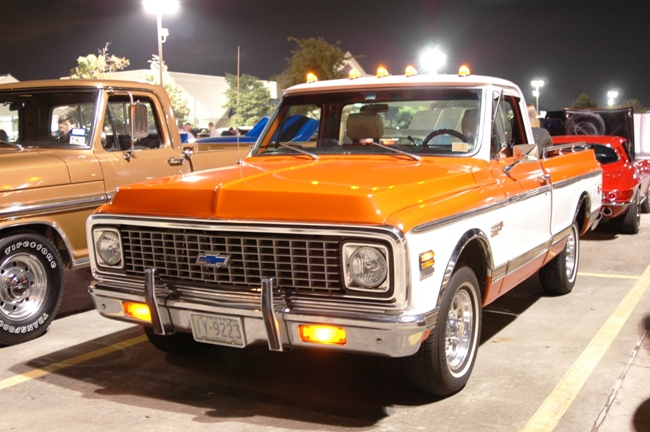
(433, 59)
(611, 97)
(160, 7)
(537, 83)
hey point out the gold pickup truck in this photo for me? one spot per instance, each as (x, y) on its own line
(65, 147)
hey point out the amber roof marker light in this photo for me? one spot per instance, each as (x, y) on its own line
(410, 71)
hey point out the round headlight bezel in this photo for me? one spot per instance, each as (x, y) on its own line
(108, 248)
(366, 267)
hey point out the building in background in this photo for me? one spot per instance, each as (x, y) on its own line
(206, 95)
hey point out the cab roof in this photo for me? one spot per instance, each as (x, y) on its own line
(78, 83)
(393, 81)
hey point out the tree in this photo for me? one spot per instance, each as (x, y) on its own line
(316, 56)
(584, 101)
(177, 95)
(98, 66)
(252, 103)
(636, 105)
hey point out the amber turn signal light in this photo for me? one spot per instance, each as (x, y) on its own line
(139, 311)
(322, 334)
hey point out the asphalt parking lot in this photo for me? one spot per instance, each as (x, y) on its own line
(579, 362)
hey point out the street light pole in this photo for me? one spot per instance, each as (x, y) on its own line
(538, 83)
(160, 42)
(159, 7)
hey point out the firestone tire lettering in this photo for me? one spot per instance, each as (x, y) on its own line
(31, 287)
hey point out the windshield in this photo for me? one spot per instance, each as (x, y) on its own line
(61, 119)
(415, 121)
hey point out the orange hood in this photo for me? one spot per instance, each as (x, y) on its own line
(329, 190)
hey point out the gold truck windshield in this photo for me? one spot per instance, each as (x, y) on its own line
(61, 119)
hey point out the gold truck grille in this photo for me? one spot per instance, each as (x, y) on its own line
(302, 264)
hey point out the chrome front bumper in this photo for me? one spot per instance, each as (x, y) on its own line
(396, 335)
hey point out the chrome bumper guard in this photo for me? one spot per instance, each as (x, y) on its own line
(274, 322)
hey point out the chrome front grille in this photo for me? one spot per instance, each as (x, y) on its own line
(302, 264)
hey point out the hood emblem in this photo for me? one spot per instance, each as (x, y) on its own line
(212, 259)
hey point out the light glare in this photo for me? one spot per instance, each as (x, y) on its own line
(160, 6)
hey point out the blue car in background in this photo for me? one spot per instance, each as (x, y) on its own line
(250, 137)
(297, 127)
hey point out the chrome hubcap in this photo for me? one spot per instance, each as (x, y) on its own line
(23, 283)
(460, 325)
(571, 255)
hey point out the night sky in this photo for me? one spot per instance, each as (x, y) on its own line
(577, 46)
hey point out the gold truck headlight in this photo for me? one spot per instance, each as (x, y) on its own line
(108, 248)
(366, 267)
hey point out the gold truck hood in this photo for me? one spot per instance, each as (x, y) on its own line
(27, 170)
(332, 190)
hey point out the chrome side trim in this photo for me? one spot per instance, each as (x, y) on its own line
(499, 272)
(568, 182)
(529, 194)
(522, 260)
(54, 206)
(516, 198)
(428, 226)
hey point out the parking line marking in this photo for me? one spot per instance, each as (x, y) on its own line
(551, 411)
(37, 373)
(611, 276)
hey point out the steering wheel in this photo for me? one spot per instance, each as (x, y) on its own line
(437, 132)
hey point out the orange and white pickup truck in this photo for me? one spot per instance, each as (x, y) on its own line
(65, 147)
(419, 200)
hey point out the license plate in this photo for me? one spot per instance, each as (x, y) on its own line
(220, 330)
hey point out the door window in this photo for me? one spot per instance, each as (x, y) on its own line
(116, 133)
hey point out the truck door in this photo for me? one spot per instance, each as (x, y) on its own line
(527, 227)
(125, 162)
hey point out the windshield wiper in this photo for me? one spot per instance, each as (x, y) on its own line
(287, 145)
(396, 150)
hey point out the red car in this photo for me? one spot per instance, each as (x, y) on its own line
(625, 181)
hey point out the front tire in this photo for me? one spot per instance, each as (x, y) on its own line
(31, 287)
(443, 364)
(559, 276)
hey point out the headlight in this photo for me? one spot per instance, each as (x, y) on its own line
(366, 267)
(108, 248)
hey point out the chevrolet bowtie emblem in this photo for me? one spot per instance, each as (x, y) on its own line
(212, 260)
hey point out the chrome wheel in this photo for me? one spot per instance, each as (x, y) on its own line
(23, 284)
(445, 360)
(460, 325)
(571, 255)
